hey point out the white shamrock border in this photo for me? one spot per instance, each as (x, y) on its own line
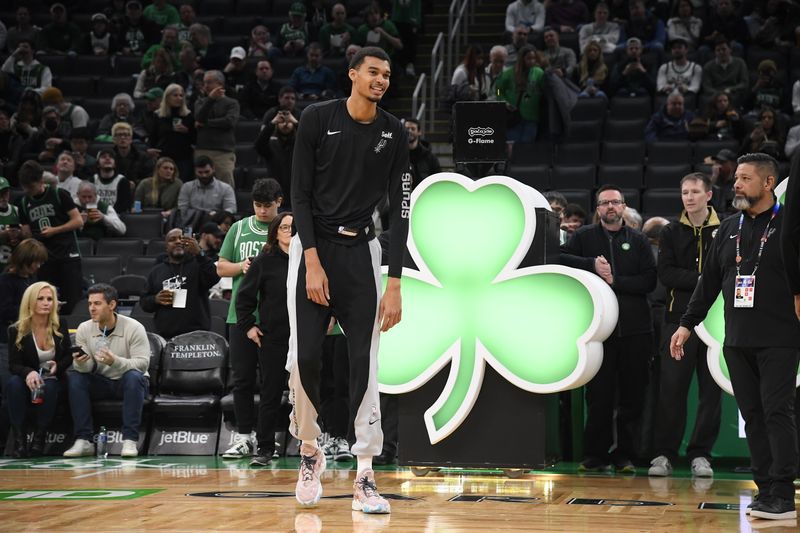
(714, 351)
(590, 344)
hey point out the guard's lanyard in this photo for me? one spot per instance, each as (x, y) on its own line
(764, 238)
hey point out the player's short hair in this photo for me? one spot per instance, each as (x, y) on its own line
(766, 164)
(29, 173)
(109, 293)
(697, 176)
(609, 187)
(203, 161)
(368, 51)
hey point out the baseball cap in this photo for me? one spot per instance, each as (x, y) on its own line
(4, 184)
(678, 40)
(99, 16)
(238, 52)
(723, 156)
(154, 93)
(105, 151)
(211, 228)
(297, 8)
(633, 40)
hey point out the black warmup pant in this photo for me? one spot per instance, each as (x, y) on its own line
(354, 282)
(244, 365)
(67, 277)
(620, 383)
(272, 361)
(390, 415)
(676, 376)
(763, 382)
(334, 386)
(408, 54)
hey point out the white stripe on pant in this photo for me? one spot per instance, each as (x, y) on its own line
(355, 286)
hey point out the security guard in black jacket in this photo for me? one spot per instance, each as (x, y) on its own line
(622, 257)
(762, 333)
(683, 248)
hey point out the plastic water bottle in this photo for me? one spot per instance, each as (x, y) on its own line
(102, 443)
(92, 281)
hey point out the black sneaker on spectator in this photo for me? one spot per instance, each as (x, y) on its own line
(754, 503)
(385, 458)
(590, 464)
(262, 457)
(775, 508)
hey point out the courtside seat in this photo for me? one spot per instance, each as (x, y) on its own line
(665, 176)
(101, 268)
(573, 177)
(665, 202)
(623, 152)
(669, 153)
(192, 376)
(626, 176)
(124, 247)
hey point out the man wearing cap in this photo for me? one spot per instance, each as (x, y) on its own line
(99, 41)
(187, 269)
(293, 35)
(60, 36)
(722, 177)
(633, 76)
(726, 73)
(136, 32)
(680, 74)
(210, 240)
(100, 219)
(10, 234)
(260, 93)
(314, 81)
(236, 75)
(216, 116)
(112, 187)
(130, 161)
(767, 91)
(30, 72)
(161, 13)
(72, 115)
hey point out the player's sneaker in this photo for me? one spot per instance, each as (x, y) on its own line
(701, 467)
(312, 465)
(366, 497)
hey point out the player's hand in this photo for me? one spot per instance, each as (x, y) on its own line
(391, 309)
(317, 284)
(254, 334)
(677, 341)
(48, 231)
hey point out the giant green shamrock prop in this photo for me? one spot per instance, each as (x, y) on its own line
(712, 330)
(540, 327)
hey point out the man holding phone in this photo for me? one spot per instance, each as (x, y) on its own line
(111, 364)
(177, 288)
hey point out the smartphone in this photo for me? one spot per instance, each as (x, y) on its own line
(77, 351)
(187, 232)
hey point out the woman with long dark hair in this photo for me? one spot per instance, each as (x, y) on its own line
(470, 80)
(724, 121)
(264, 289)
(521, 89)
(39, 354)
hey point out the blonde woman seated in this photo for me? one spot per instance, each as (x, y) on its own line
(39, 354)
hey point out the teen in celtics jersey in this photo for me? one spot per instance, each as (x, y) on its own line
(242, 243)
(9, 223)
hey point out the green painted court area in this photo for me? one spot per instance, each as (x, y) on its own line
(92, 494)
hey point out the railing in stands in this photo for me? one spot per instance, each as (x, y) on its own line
(458, 22)
(418, 107)
(436, 84)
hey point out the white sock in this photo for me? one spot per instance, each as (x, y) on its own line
(364, 463)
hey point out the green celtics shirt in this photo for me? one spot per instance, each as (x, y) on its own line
(245, 239)
(8, 217)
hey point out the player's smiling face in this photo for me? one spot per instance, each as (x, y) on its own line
(371, 79)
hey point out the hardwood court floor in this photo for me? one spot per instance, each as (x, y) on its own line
(204, 493)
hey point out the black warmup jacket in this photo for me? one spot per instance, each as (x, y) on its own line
(632, 264)
(201, 275)
(790, 236)
(771, 321)
(682, 253)
(342, 169)
(264, 286)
